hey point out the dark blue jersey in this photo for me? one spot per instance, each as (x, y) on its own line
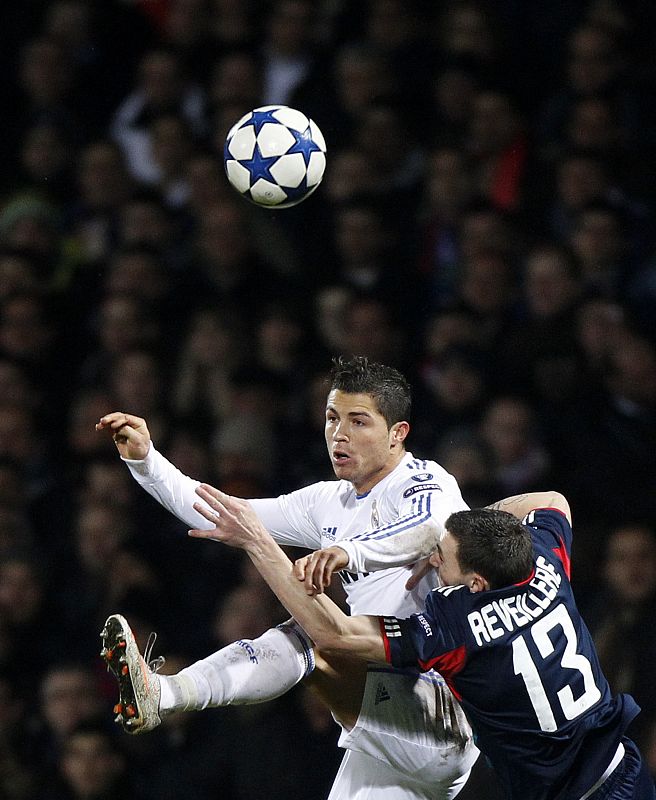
(522, 663)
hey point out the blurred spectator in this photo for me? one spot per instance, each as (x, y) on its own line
(487, 290)
(448, 192)
(18, 273)
(18, 774)
(464, 454)
(371, 328)
(599, 242)
(46, 162)
(620, 619)
(136, 380)
(539, 357)
(108, 569)
(288, 50)
(172, 144)
(596, 66)
(464, 30)
(455, 89)
(364, 248)
(124, 322)
(520, 461)
(91, 765)
(208, 354)
(103, 185)
(45, 81)
(161, 87)
(30, 224)
(236, 81)
(497, 144)
(611, 438)
(25, 616)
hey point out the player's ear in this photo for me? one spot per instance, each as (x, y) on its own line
(399, 432)
(477, 583)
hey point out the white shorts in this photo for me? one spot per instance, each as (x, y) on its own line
(411, 723)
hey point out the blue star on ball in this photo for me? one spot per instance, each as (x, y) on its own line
(304, 144)
(259, 166)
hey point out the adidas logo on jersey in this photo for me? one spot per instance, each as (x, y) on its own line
(381, 694)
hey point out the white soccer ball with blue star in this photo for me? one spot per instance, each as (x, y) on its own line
(275, 156)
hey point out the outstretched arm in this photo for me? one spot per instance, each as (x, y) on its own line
(237, 525)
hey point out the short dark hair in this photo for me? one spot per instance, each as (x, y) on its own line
(493, 543)
(386, 385)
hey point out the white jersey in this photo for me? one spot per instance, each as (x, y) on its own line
(404, 513)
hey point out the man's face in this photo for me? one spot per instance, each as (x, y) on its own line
(361, 447)
(445, 561)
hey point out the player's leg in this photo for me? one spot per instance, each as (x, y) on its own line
(403, 723)
(340, 684)
(362, 777)
(244, 672)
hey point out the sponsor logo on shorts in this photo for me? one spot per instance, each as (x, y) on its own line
(381, 694)
(329, 533)
(425, 487)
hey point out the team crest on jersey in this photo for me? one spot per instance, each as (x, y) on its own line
(375, 517)
(431, 487)
(329, 533)
(420, 477)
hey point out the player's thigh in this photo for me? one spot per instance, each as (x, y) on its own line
(340, 684)
(412, 721)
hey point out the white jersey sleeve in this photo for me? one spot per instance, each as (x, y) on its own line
(288, 517)
(171, 488)
(424, 494)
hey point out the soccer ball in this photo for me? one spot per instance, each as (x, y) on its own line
(275, 156)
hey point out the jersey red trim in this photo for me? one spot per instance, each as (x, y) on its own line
(528, 580)
(448, 665)
(563, 555)
(386, 644)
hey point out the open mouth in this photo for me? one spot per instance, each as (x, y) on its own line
(339, 457)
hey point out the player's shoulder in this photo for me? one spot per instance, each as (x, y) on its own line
(552, 520)
(449, 602)
(414, 475)
(320, 490)
(450, 595)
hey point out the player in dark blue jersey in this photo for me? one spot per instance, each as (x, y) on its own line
(505, 633)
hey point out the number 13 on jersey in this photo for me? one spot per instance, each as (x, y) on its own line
(525, 666)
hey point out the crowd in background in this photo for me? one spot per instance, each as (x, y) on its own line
(485, 224)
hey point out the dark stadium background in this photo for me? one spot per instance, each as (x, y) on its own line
(486, 224)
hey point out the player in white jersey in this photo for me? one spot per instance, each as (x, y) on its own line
(404, 734)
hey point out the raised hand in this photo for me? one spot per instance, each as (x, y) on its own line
(316, 569)
(130, 434)
(235, 522)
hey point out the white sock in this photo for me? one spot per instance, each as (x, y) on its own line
(242, 673)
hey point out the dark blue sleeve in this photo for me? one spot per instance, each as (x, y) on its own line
(551, 529)
(431, 640)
